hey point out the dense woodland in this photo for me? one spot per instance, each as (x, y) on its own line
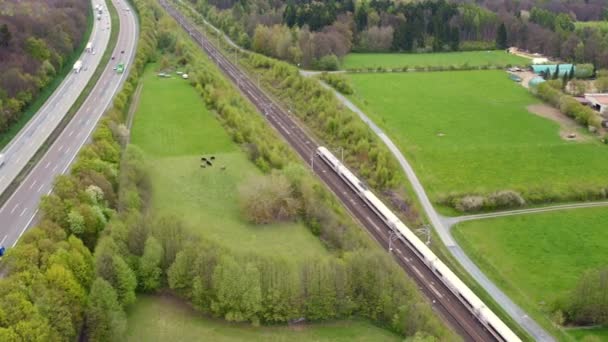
(36, 39)
(318, 33)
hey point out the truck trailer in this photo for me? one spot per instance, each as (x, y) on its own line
(78, 66)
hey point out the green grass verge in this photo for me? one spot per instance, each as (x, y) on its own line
(72, 111)
(470, 132)
(580, 334)
(47, 91)
(174, 129)
(537, 258)
(446, 59)
(165, 318)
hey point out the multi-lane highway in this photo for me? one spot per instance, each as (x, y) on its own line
(19, 211)
(25, 144)
(443, 301)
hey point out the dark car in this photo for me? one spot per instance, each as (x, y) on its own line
(113, 57)
(123, 51)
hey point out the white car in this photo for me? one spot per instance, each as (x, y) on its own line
(1, 159)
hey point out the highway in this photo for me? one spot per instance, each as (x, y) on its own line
(19, 212)
(31, 137)
(442, 300)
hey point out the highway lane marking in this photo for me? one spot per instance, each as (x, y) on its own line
(40, 187)
(60, 148)
(4, 238)
(18, 160)
(23, 212)
(71, 132)
(15, 208)
(47, 165)
(55, 168)
(33, 183)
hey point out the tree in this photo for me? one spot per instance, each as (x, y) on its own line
(501, 37)
(149, 265)
(268, 199)
(601, 84)
(5, 36)
(238, 291)
(571, 73)
(556, 73)
(105, 318)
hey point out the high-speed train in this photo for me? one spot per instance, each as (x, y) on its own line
(492, 323)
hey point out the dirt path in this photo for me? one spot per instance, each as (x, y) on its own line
(567, 125)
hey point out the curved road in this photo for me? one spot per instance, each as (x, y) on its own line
(517, 313)
(31, 137)
(19, 211)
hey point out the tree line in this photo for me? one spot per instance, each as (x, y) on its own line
(318, 33)
(36, 40)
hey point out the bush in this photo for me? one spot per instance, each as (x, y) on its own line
(338, 82)
(505, 199)
(583, 70)
(470, 203)
(328, 63)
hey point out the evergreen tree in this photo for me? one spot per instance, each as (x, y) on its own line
(556, 73)
(5, 36)
(571, 73)
(290, 14)
(501, 37)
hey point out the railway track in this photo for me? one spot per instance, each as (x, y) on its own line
(441, 298)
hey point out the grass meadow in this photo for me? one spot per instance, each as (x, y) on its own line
(400, 60)
(470, 132)
(156, 318)
(539, 258)
(174, 129)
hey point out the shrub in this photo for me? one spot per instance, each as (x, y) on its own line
(583, 70)
(470, 203)
(328, 63)
(505, 199)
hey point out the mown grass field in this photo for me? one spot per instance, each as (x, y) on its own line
(470, 132)
(579, 334)
(168, 319)
(538, 258)
(174, 129)
(400, 60)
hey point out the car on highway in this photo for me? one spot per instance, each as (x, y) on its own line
(1, 159)
(2, 250)
(113, 57)
(122, 51)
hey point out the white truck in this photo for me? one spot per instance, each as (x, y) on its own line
(78, 66)
(89, 47)
(1, 159)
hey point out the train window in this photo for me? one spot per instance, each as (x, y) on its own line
(362, 186)
(438, 273)
(465, 300)
(495, 333)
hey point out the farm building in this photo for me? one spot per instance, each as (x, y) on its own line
(563, 68)
(598, 102)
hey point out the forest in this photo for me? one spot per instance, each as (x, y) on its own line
(36, 39)
(317, 34)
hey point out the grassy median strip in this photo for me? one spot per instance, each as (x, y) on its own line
(75, 107)
(49, 89)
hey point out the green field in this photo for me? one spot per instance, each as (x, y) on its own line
(400, 60)
(169, 319)
(470, 132)
(579, 334)
(174, 129)
(538, 258)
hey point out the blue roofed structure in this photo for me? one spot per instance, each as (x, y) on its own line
(563, 68)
